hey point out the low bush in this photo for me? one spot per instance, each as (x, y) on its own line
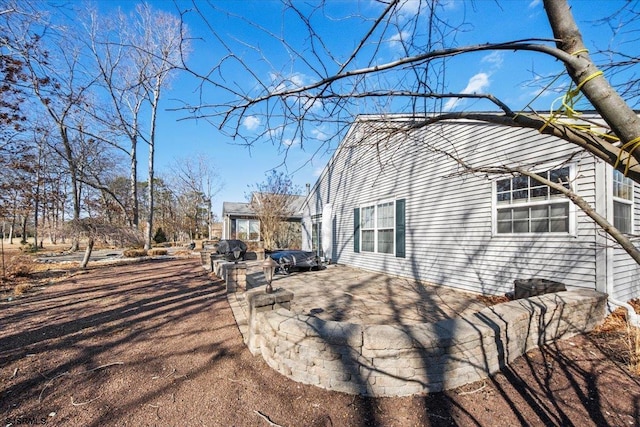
(28, 248)
(20, 266)
(22, 288)
(626, 348)
(134, 253)
(157, 251)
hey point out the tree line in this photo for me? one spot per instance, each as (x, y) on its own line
(79, 98)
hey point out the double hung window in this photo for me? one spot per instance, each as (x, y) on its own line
(622, 202)
(380, 228)
(377, 227)
(525, 205)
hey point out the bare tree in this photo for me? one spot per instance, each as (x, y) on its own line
(93, 229)
(299, 102)
(196, 182)
(620, 50)
(160, 46)
(123, 83)
(134, 55)
(93, 90)
(273, 203)
(60, 86)
(12, 72)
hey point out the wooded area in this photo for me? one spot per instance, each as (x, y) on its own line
(79, 100)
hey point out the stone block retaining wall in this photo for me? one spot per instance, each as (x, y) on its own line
(395, 360)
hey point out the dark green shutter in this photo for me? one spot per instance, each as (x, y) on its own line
(356, 230)
(400, 228)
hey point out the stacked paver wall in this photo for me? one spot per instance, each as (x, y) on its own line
(385, 360)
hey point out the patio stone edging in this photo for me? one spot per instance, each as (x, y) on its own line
(401, 360)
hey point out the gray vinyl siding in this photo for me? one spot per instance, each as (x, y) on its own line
(449, 214)
(626, 272)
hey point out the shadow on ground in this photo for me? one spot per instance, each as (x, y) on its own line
(155, 343)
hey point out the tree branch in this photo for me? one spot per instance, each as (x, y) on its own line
(595, 145)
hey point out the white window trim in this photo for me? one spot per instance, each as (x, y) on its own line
(375, 229)
(249, 220)
(316, 225)
(572, 207)
(631, 202)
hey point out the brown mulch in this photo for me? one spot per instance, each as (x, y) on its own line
(155, 343)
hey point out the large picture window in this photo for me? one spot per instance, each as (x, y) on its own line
(622, 202)
(377, 228)
(525, 205)
(246, 229)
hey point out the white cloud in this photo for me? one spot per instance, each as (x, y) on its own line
(410, 7)
(251, 122)
(396, 40)
(282, 82)
(311, 103)
(494, 58)
(297, 80)
(274, 132)
(290, 142)
(319, 135)
(534, 4)
(449, 4)
(478, 83)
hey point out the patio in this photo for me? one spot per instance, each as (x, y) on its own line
(346, 294)
(367, 333)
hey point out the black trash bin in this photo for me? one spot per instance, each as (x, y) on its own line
(524, 288)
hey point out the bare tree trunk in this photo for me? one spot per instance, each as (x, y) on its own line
(149, 223)
(152, 139)
(209, 220)
(23, 224)
(2, 250)
(75, 185)
(135, 216)
(622, 239)
(35, 225)
(37, 198)
(614, 110)
(87, 253)
(11, 228)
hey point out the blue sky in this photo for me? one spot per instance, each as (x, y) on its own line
(504, 74)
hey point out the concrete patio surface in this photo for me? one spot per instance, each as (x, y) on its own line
(346, 294)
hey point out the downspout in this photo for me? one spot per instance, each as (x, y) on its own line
(632, 317)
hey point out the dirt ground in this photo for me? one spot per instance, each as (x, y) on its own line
(155, 344)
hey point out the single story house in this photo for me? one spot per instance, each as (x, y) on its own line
(240, 221)
(401, 202)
